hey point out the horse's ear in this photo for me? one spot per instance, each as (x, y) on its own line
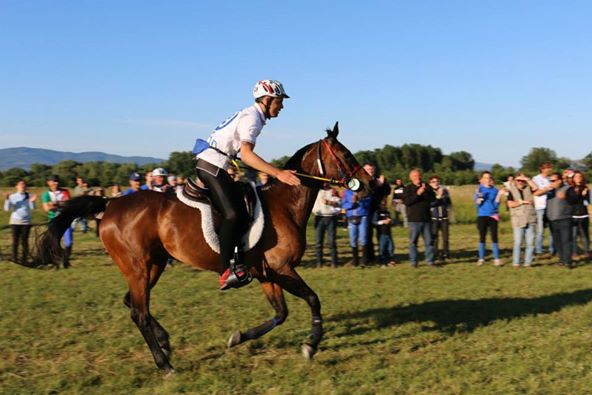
(333, 133)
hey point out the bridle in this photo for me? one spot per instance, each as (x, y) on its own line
(346, 179)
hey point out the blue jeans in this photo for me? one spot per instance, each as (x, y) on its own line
(357, 233)
(386, 248)
(580, 227)
(526, 233)
(83, 224)
(325, 224)
(540, 233)
(415, 230)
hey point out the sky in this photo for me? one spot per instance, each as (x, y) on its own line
(494, 78)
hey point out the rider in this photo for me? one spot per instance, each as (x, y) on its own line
(239, 134)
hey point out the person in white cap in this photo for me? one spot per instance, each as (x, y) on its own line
(159, 183)
(238, 134)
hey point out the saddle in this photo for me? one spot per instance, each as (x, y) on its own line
(193, 192)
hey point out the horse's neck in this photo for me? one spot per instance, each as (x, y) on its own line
(297, 201)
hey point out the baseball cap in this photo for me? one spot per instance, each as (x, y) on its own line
(53, 177)
(135, 176)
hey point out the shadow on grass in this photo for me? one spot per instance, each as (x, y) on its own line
(464, 316)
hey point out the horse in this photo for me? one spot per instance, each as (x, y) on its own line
(143, 230)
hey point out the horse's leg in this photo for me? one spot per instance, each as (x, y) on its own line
(293, 283)
(275, 296)
(161, 334)
(139, 287)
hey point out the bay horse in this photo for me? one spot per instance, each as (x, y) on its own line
(141, 231)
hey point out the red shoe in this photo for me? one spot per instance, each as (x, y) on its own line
(237, 279)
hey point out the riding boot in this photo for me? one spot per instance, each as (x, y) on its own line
(67, 254)
(355, 259)
(365, 256)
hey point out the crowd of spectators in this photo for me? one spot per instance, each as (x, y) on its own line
(557, 201)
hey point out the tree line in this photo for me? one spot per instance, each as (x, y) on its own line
(456, 168)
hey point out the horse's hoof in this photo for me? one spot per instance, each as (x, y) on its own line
(235, 339)
(308, 352)
(170, 373)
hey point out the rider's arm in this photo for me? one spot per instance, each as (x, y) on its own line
(256, 162)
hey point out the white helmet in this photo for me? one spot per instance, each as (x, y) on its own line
(271, 88)
(159, 171)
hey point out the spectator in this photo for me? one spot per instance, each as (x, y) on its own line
(487, 200)
(521, 194)
(383, 223)
(580, 220)
(172, 181)
(560, 197)
(417, 197)
(399, 206)
(21, 204)
(116, 191)
(135, 184)
(53, 202)
(356, 211)
(158, 182)
(149, 180)
(381, 190)
(326, 209)
(439, 212)
(263, 179)
(540, 204)
(81, 189)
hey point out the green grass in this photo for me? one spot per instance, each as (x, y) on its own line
(458, 330)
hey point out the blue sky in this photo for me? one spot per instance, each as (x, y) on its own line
(494, 78)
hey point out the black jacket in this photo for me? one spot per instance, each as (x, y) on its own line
(418, 206)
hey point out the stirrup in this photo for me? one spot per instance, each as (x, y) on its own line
(235, 280)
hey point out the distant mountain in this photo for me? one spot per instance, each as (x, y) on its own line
(24, 157)
(482, 166)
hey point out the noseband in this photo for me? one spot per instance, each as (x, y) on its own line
(346, 179)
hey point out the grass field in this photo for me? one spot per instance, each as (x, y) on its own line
(461, 329)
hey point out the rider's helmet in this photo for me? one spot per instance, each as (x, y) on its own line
(159, 171)
(271, 88)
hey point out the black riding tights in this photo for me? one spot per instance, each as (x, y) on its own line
(226, 198)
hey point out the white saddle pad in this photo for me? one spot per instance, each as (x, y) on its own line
(250, 239)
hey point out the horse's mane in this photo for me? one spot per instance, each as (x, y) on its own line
(295, 162)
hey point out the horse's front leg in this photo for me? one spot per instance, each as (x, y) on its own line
(275, 296)
(293, 283)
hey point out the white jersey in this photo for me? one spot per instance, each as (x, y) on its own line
(540, 202)
(245, 126)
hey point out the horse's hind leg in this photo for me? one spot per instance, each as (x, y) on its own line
(140, 301)
(161, 334)
(275, 296)
(293, 283)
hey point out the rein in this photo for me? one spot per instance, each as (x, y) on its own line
(345, 179)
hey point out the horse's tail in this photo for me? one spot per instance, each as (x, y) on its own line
(48, 248)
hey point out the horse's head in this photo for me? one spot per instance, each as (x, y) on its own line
(329, 159)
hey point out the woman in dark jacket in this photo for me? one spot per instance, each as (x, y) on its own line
(581, 221)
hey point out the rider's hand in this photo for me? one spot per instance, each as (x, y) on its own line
(288, 177)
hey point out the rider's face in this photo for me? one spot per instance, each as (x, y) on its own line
(275, 106)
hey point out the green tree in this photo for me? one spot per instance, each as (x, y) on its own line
(531, 162)
(181, 163)
(461, 160)
(12, 176)
(66, 171)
